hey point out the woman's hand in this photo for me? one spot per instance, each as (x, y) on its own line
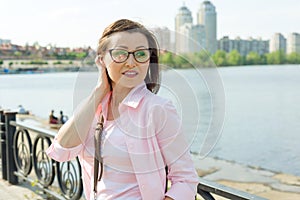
(103, 82)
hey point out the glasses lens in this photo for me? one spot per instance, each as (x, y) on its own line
(142, 55)
(119, 55)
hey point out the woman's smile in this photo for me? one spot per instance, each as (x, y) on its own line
(130, 73)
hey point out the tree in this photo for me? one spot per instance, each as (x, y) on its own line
(234, 58)
(1, 62)
(166, 59)
(10, 64)
(276, 57)
(220, 58)
(253, 58)
(180, 61)
(202, 59)
(81, 55)
(293, 58)
(18, 54)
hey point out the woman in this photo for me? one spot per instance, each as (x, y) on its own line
(142, 132)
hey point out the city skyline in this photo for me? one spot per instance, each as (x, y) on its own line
(74, 23)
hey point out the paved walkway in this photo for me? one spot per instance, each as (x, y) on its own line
(21, 191)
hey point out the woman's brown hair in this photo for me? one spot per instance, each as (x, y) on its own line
(152, 78)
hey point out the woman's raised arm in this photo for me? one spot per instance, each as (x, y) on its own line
(75, 130)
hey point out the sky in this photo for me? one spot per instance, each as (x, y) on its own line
(80, 23)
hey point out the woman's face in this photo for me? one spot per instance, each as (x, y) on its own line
(129, 73)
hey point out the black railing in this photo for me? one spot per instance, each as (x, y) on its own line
(23, 149)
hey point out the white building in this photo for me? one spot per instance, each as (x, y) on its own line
(207, 17)
(191, 38)
(278, 42)
(163, 36)
(183, 16)
(198, 37)
(244, 46)
(293, 43)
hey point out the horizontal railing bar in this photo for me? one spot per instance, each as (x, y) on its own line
(54, 194)
(224, 191)
(204, 185)
(42, 131)
(205, 195)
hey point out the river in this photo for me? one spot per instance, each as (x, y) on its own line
(261, 126)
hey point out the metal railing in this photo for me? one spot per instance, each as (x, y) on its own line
(23, 149)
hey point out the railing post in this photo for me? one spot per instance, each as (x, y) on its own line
(3, 145)
(10, 132)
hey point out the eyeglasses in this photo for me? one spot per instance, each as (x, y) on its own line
(121, 55)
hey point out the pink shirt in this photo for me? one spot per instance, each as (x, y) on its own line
(116, 184)
(153, 139)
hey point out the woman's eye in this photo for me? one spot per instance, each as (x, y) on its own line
(140, 53)
(120, 53)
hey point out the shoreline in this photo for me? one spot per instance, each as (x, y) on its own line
(258, 181)
(254, 180)
(50, 66)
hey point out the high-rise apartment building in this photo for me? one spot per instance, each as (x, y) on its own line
(293, 43)
(198, 37)
(278, 42)
(191, 38)
(244, 46)
(183, 16)
(207, 16)
(163, 36)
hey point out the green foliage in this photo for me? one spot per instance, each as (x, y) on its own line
(220, 58)
(175, 61)
(57, 63)
(37, 62)
(1, 62)
(10, 64)
(253, 58)
(17, 54)
(276, 57)
(181, 61)
(71, 56)
(166, 59)
(34, 62)
(293, 58)
(204, 59)
(234, 58)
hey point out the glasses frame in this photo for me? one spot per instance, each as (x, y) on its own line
(130, 52)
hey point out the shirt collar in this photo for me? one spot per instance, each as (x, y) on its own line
(132, 99)
(135, 96)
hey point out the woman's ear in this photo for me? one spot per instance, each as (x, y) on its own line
(101, 60)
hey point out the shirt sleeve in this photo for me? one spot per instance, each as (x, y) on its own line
(175, 151)
(61, 154)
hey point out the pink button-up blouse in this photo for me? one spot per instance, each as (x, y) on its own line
(154, 139)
